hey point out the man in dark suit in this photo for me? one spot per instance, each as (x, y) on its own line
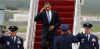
(87, 40)
(12, 41)
(65, 40)
(51, 22)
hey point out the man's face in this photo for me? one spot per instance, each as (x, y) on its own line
(48, 7)
(13, 34)
(87, 30)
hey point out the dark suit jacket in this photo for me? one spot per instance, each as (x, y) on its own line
(92, 43)
(64, 42)
(10, 44)
(42, 16)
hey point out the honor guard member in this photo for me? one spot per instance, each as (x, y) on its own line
(13, 41)
(65, 40)
(87, 40)
(4, 35)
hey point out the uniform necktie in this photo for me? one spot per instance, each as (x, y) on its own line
(87, 37)
(13, 39)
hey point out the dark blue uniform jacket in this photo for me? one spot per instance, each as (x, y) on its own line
(8, 43)
(64, 42)
(85, 43)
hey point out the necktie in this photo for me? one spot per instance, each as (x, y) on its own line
(48, 16)
(87, 37)
(13, 39)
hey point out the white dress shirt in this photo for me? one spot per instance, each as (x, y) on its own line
(14, 38)
(88, 36)
(49, 16)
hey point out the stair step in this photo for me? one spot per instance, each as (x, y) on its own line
(61, 8)
(39, 26)
(38, 39)
(38, 32)
(65, 9)
(63, 20)
(66, 14)
(38, 44)
(57, 2)
(37, 47)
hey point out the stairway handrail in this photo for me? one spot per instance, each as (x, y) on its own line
(77, 14)
(31, 28)
(77, 25)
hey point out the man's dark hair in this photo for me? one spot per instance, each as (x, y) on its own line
(47, 3)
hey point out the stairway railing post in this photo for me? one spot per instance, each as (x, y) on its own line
(30, 35)
(77, 24)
